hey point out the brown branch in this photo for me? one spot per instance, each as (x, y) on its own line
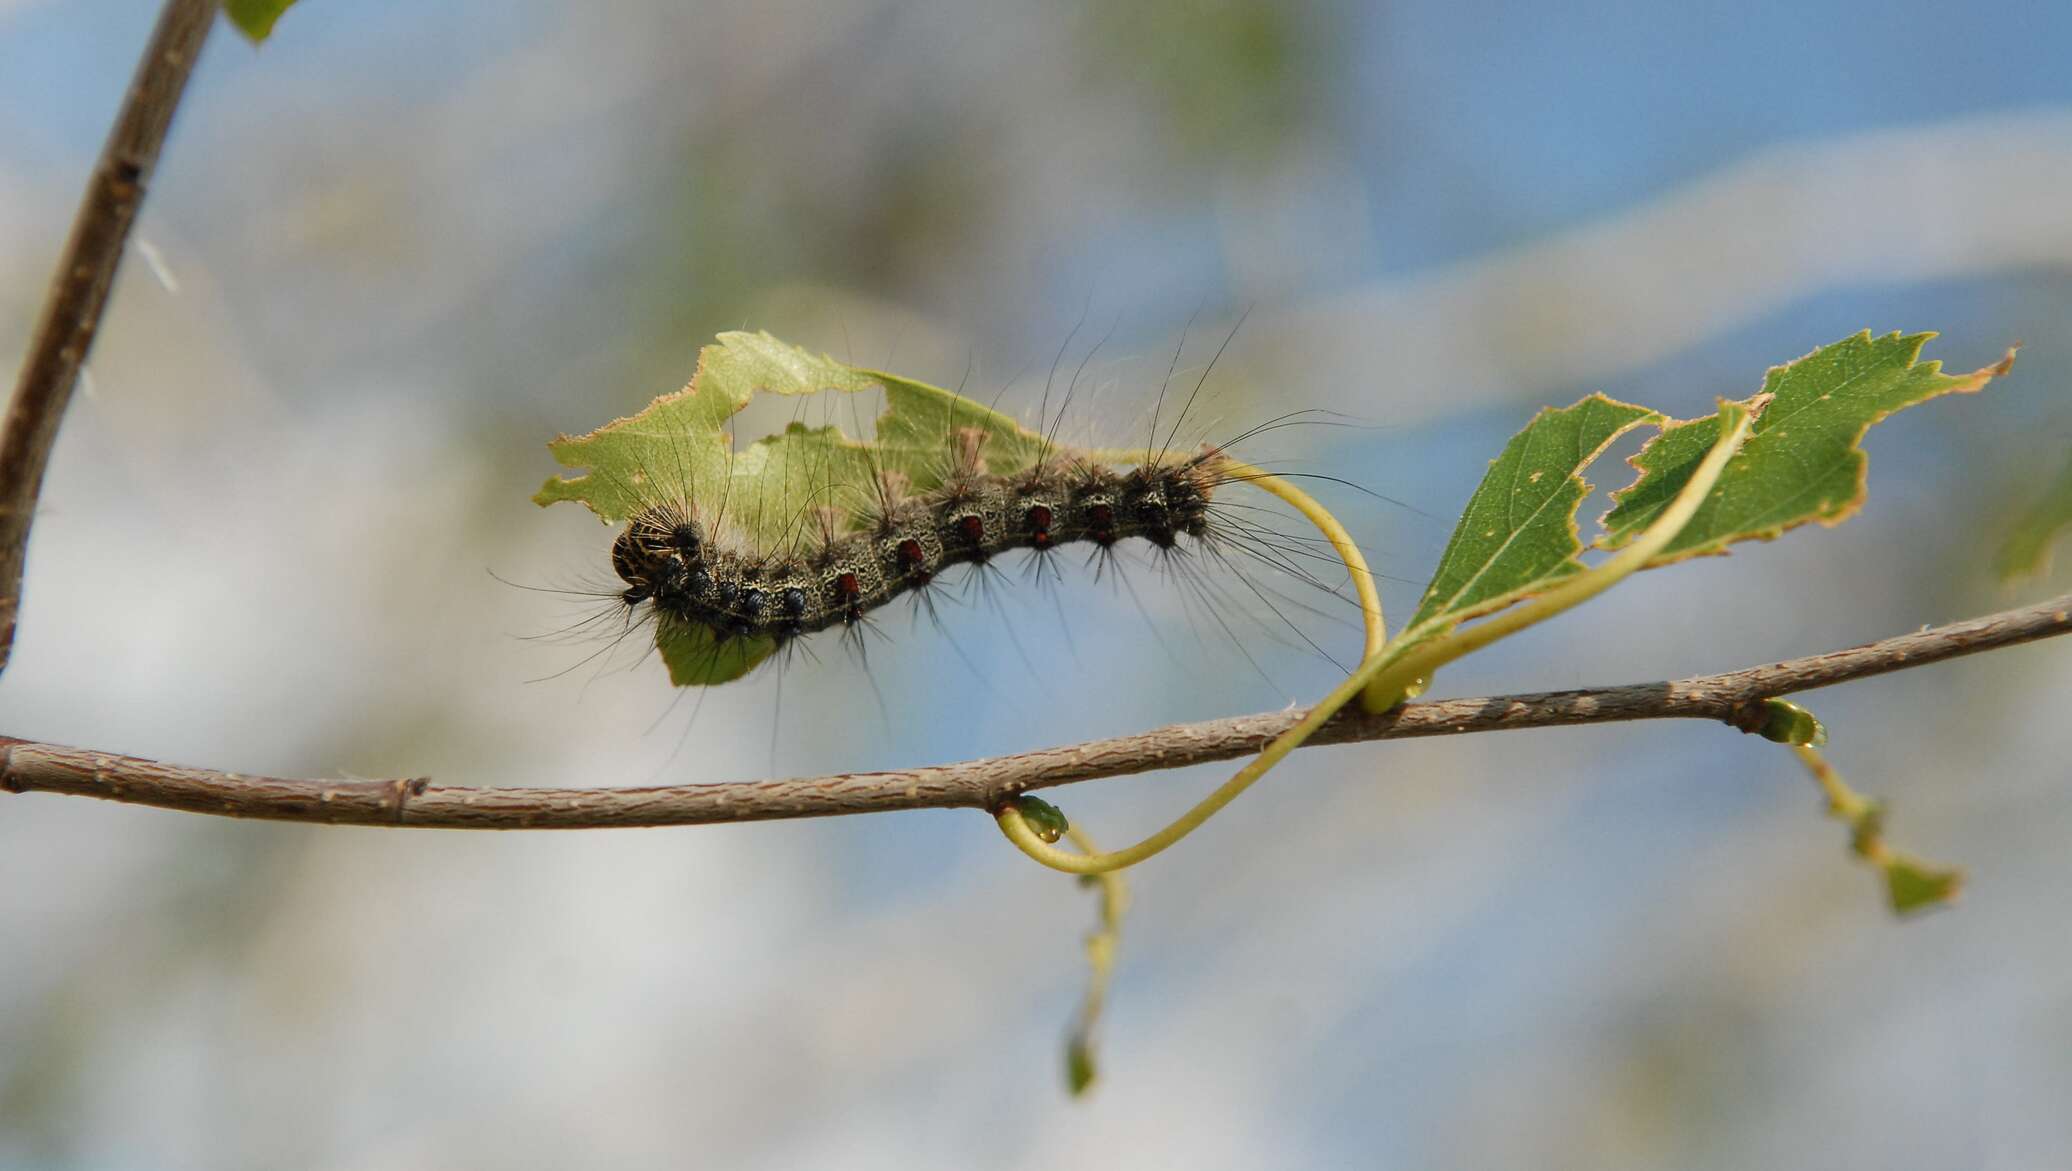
(1734, 698)
(79, 290)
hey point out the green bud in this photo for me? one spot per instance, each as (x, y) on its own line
(1047, 820)
(1079, 1066)
(1788, 723)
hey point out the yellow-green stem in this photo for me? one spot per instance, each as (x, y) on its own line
(1419, 659)
(1100, 957)
(1018, 831)
(1385, 671)
(1845, 803)
(1911, 884)
(1341, 543)
(1375, 626)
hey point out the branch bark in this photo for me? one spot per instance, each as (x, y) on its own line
(79, 290)
(64, 335)
(1734, 698)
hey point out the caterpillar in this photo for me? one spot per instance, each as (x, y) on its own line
(665, 556)
(732, 556)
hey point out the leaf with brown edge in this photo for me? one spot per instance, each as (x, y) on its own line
(1802, 463)
(1518, 533)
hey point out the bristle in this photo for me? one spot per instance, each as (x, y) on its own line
(717, 571)
(690, 576)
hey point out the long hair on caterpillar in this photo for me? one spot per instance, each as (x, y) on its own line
(729, 556)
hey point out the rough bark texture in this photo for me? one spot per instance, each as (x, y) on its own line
(79, 290)
(1733, 698)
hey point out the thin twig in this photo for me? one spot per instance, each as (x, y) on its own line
(1735, 698)
(79, 290)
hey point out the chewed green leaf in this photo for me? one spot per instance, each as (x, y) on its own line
(1803, 462)
(2027, 550)
(917, 416)
(680, 449)
(1518, 533)
(255, 18)
(695, 656)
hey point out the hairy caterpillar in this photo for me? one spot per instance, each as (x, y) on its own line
(732, 555)
(665, 558)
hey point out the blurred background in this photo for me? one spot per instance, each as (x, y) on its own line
(399, 247)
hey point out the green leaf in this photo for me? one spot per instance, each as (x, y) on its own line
(1802, 462)
(696, 656)
(2027, 551)
(255, 18)
(1518, 533)
(1914, 885)
(680, 449)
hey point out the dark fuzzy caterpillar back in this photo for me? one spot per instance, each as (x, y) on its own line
(667, 557)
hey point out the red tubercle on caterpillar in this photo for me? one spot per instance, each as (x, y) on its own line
(847, 590)
(912, 561)
(1039, 517)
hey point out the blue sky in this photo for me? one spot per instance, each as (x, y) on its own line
(410, 243)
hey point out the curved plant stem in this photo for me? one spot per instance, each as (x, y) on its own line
(1843, 803)
(1397, 670)
(1372, 622)
(1018, 831)
(1090, 862)
(1081, 1067)
(1341, 543)
(1911, 884)
(1415, 661)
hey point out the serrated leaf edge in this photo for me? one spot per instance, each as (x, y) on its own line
(1446, 620)
(1965, 384)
